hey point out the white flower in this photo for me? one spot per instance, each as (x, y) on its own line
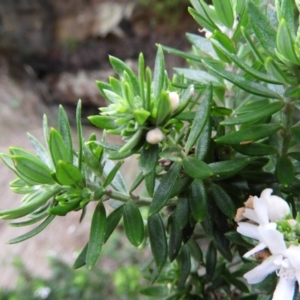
(154, 136)
(258, 214)
(277, 207)
(285, 261)
(174, 99)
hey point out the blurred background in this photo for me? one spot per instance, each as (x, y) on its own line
(51, 53)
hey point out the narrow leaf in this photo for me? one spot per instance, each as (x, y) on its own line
(198, 200)
(245, 84)
(159, 72)
(196, 168)
(249, 134)
(65, 131)
(34, 170)
(162, 193)
(175, 239)
(111, 175)
(81, 259)
(262, 27)
(200, 119)
(33, 232)
(158, 240)
(148, 159)
(224, 11)
(79, 133)
(58, 147)
(228, 168)
(133, 223)
(112, 221)
(97, 234)
(68, 174)
(223, 201)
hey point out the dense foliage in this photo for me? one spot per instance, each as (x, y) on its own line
(216, 133)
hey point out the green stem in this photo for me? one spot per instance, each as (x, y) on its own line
(139, 201)
(287, 113)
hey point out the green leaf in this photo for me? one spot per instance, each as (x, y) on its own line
(118, 182)
(133, 223)
(228, 168)
(67, 174)
(210, 261)
(184, 260)
(285, 171)
(175, 239)
(286, 43)
(226, 42)
(154, 291)
(295, 132)
(33, 232)
(63, 209)
(286, 10)
(199, 76)
(65, 131)
(120, 67)
(40, 151)
(245, 84)
(97, 234)
(201, 117)
(159, 72)
(37, 199)
(111, 175)
(133, 141)
(243, 65)
(31, 221)
(196, 168)
(254, 116)
(182, 212)
(182, 54)
(58, 148)
(203, 20)
(33, 169)
(164, 109)
(104, 122)
(81, 259)
(255, 149)
(148, 159)
(224, 11)
(79, 134)
(198, 200)
(112, 221)
(223, 201)
(158, 240)
(249, 134)
(163, 191)
(204, 141)
(262, 27)
(195, 250)
(141, 115)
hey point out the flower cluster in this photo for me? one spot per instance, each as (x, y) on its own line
(269, 222)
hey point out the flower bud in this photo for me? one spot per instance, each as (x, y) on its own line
(277, 207)
(154, 136)
(174, 99)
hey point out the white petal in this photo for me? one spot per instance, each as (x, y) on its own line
(274, 240)
(293, 254)
(251, 215)
(260, 272)
(249, 230)
(261, 210)
(285, 289)
(257, 248)
(266, 193)
(277, 207)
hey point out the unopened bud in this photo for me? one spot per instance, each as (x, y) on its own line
(154, 136)
(174, 99)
